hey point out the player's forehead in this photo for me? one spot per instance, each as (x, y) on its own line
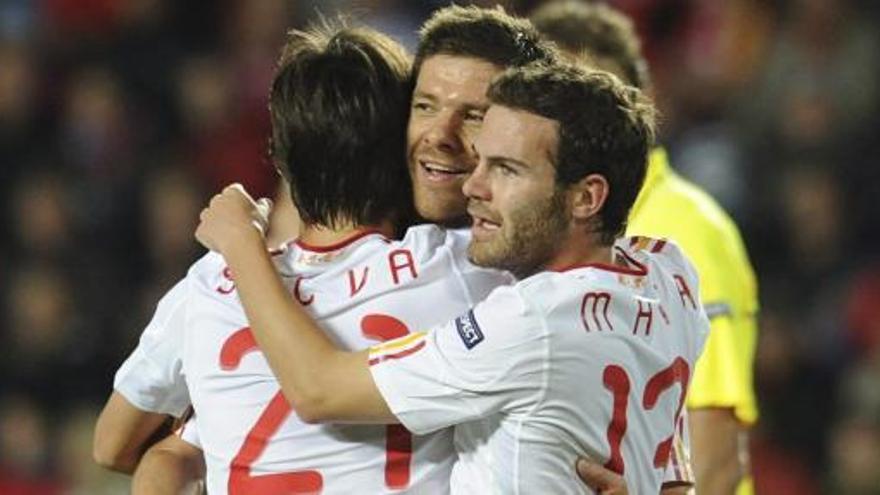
(455, 77)
(517, 134)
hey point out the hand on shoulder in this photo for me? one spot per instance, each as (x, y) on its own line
(231, 219)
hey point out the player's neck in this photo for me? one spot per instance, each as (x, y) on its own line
(579, 252)
(319, 235)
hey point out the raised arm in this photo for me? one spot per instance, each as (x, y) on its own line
(321, 382)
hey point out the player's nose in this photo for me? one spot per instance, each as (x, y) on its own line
(444, 133)
(477, 184)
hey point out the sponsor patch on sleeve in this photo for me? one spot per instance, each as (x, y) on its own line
(469, 330)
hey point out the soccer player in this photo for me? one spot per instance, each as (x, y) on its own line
(458, 64)
(338, 105)
(461, 49)
(721, 401)
(544, 369)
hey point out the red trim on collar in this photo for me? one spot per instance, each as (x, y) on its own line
(338, 245)
(640, 270)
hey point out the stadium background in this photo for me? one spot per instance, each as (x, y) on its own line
(119, 118)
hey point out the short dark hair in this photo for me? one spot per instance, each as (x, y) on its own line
(486, 34)
(605, 127)
(338, 104)
(598, 30)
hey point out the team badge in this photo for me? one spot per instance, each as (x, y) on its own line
(469, 330)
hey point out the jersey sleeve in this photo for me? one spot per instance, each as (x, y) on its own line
(724, 373)
(151, 377)
(485, 361)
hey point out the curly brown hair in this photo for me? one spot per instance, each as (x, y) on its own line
(486, 34)
(605, 127)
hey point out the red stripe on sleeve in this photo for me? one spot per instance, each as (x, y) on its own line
(658, 246)
(397, 355)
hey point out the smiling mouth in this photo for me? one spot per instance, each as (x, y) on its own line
(437, 171)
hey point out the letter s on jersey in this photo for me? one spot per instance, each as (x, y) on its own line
(469, 330)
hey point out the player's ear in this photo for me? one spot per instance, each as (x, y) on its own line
(587, 197)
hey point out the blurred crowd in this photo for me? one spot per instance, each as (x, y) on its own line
(119, 119)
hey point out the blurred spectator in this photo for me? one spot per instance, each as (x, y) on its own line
(80, 474)
(787, 381)
(25, 449)
(819, 87)
(50, 356)
(18, 87)
(42, 216)
(95, 133)
(20, 114)
(710, 156)
(863, 314)
(811, 204)
(17, 19)
(172, 202)
(81, 17)
(224, 144)
(144, 53)
(779, 471)
(860, 391)
(204, 93)
(254, 33)
(855, 457)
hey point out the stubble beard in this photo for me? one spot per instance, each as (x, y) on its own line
(527, 241)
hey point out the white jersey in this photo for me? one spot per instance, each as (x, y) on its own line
(363, 292)
(151, 378)
(593, 360)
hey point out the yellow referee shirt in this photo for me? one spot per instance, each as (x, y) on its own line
(670, 207)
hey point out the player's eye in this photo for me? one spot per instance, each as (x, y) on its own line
(504, 169)
(422, 106)
(475, 116)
